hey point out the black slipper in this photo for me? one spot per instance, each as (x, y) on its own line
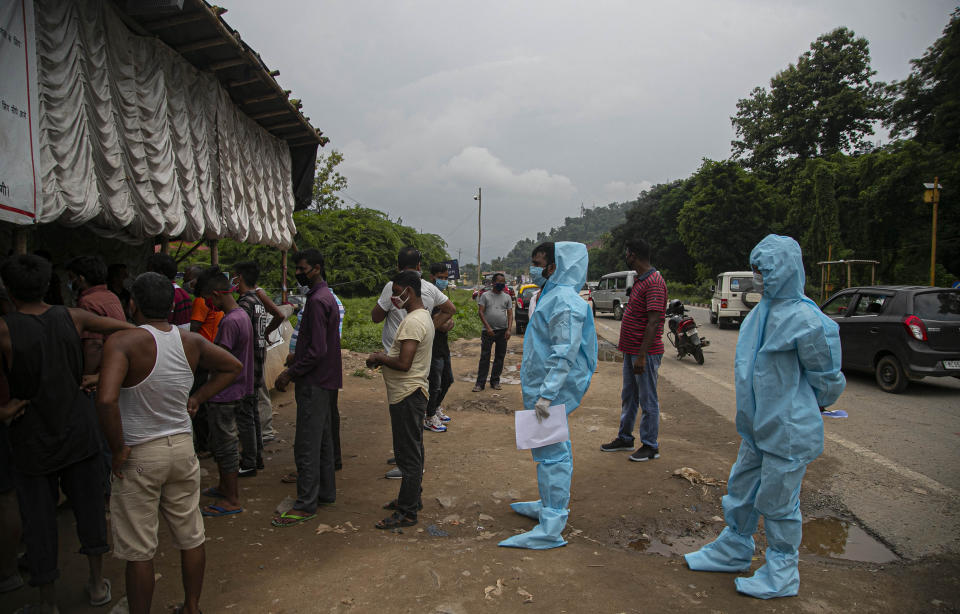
(395, 521)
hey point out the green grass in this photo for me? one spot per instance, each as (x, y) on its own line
(360, 334)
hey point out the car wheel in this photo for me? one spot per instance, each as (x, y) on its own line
(713, 318)
(617, 311)
(890, 375)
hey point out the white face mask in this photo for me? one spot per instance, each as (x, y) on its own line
(758, 282)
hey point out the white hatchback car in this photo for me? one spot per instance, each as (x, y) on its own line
(733, 298)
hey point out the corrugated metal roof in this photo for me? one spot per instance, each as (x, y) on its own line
(199, 33)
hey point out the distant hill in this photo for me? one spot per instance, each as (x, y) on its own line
(588, 228)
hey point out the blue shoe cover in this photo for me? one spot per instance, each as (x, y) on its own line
(545, 535)
(730, 552)
(779, 577)
(530, 509)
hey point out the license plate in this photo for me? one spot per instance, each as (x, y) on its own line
(951, 364)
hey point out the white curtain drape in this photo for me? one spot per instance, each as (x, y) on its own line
(135, 142)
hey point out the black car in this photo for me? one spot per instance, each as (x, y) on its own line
(898, 333)
(521, 314)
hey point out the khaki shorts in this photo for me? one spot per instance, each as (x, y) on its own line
(161, 477)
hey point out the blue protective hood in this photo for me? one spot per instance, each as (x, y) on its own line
(781, 263)
(788, 359)
(572, 263)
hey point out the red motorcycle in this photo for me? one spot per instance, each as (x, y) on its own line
(683, 333)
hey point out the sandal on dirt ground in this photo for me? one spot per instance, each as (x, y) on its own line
(290, 478)
(107, 596)
(393, 506)
(290, 519)
(218, 511)
(478, 388)
(395, 521)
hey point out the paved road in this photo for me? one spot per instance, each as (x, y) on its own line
(899, 467)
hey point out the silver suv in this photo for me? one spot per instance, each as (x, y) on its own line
(611, 293)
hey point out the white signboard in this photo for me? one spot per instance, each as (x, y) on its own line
(19, 125)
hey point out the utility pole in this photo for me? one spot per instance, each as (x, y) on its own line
(932, 195)
(479, 199)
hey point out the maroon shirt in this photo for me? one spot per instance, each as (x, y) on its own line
(316, 360)
(102, 302)
(235, 335)
(647, 295)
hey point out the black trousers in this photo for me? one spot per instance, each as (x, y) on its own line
(440, 379)
(406, 420)
(335, 428)
(82, 482)
(499, 337)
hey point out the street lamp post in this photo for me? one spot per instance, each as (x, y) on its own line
(479, 199)
(932, 195)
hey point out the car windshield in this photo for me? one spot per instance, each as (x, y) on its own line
(938, 305)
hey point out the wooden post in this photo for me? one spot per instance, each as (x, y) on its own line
(283, 273)
(20, 240)
(214, 252)
(933, 236)
(164, 245)
(849, 280)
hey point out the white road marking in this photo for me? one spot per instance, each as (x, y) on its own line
(881, 460)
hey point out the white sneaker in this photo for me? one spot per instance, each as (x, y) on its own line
(443, 416)
(434, 424)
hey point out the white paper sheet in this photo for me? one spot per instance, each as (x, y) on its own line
(533, 434)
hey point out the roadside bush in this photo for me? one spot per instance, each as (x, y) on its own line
(360, 334)
(689, 293)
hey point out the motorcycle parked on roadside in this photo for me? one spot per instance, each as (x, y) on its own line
(683, 333)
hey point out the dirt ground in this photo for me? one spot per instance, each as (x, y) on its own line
(628, 523)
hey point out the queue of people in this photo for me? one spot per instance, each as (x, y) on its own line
(112, 403)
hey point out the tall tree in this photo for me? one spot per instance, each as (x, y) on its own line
(328, 181)
(823, 104)
(927, 103)
(728, 212)
(822, 237)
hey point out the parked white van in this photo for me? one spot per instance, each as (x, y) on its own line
(733, 298)
(611, 293)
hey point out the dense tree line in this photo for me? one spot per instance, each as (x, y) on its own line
(803, 165)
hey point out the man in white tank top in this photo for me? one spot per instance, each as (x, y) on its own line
(145, 406)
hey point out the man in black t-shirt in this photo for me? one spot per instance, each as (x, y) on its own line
(54, 438)
(441, 370)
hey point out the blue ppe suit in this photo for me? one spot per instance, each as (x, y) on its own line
(787, 366)
(559, 358)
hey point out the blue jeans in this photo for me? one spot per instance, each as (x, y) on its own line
(640, 391)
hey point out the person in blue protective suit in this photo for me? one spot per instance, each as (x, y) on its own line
(559, 358)
(787, 365)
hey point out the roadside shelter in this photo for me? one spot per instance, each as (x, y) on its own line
(126, 124)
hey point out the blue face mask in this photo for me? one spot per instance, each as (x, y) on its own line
(499, 287)
(441, 283)
(536, 275)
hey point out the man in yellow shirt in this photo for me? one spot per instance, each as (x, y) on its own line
(405, 370)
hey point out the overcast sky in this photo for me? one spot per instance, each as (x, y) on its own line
(545, 104)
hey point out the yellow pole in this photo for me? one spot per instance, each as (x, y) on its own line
(933, 238)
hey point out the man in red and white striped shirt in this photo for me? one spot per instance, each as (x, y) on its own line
(641, 343)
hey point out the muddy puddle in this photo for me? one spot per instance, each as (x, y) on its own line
(608, 352)
(826, 536)
(837, 538)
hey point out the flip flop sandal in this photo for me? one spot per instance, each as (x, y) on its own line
(393, 506)
(212, 492)
(107, 596)
(218, 511)
(290, 478)
(292, 519)
(395, 521)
